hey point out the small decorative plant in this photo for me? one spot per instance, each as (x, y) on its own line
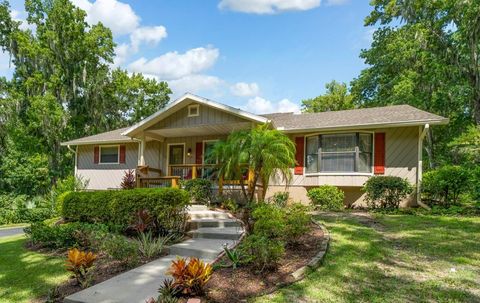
(128, 180)
(190, 277)
(327, 197)
(233, 255)
(80, 263)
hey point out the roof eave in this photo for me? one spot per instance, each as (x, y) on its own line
(75, 143)
(367, 126)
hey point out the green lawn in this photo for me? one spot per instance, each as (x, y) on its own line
(13, 225)
(25, 275)
(401, 259)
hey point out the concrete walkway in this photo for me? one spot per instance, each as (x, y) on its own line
(210, 231)
(11, 231)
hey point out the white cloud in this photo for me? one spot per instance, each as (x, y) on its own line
(243, 89)
(268, 6)
(173, 65)
(195, 84)
(116, 15)
(150, 35)
(260, 105)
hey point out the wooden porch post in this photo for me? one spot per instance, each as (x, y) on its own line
(250, 179)
(142, 151)
(220, 186)
(194, 172)
(174, 183)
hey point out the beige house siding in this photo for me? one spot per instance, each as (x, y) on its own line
(105, 176)
(207, 116)
(400, 160)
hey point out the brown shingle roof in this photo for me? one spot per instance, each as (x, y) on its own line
(396, 115)
(114, 136)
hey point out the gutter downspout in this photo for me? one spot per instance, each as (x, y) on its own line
(75, 152)
(421, 137)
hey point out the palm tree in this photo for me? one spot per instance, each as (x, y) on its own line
(267, 152)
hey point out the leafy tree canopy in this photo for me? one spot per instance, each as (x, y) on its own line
(337, 97)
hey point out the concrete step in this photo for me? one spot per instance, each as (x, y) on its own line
(200, 248)
(207, 214)
(195, 207)
(228, 233)
(199, 223)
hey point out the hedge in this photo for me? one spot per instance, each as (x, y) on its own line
(167, 205)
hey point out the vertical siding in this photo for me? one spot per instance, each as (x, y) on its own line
(104, 176)
(207, 116)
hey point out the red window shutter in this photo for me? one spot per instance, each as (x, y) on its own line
(96, 154)
(122, 154)
(379, 163)
(299, 156)
(198, 153)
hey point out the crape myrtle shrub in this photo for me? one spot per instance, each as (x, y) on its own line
(167, 205)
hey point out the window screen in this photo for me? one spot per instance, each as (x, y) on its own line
(312, 155)
(109, 154)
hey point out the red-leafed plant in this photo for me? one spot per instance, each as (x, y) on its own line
(128, 180)
(143, 221)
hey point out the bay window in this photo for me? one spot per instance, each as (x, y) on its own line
(339, 153)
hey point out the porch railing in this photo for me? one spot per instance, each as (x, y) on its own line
(157, 182)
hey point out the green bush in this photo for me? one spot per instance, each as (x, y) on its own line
(200, 190)
(475, 188)
(280, 199)
(386, 191)
(64, 235)
(269, 221)
(327, 197)
(21, 209)
(261, 251)
(444, 185)
(298, 222)
(167, 205)
(121, 248)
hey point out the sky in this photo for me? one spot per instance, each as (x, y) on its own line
(259, 55)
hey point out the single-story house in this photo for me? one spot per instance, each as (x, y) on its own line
(341, 148)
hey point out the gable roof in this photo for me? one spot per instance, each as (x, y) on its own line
(184, 100)
(387, 116)
(114, 136)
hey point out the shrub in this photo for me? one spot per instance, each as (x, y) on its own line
(445, 184)
(476, 184)
(80, 264)
(269, 221)
(64, 235)
(327, 197)
(128, 179)
(121, 248)
(280, 199)
(190, 277)
(230, 205)
(167, 205)
(150, 246)
(261, 251)
(386, 191)
(168, 292)
(200, 190)
(297, 222)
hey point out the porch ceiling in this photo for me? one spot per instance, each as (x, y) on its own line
(202, 130)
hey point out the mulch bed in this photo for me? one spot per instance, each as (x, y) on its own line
(228, 285)
(105, 268)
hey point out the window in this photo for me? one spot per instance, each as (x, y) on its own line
(176, 154)
(339, 153)
(193, 110)
(109, 154)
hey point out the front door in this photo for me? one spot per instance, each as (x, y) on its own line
(176, 156)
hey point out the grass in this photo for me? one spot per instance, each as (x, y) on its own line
(26, 275)
(402, 258)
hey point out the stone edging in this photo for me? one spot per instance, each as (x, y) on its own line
(299, 274)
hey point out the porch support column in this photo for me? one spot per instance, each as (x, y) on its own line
(141, 161)
(421, 136)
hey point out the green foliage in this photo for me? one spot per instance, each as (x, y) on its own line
(466, 147)
(168, 292)
(280, 199)
(337, 97)
(21, 209)
(64, 235)
(229, 204)
(386, 191)
(233, 255)
(327, 197)
(261, 251)
(297, 221)
(269, 221)
(445, 185)
(267, 152)
(200, 190)
(166, 205)
(150, 246)
(120, 248)
(63, 87)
